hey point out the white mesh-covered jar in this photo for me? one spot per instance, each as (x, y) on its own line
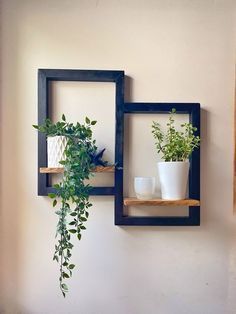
(55, 150)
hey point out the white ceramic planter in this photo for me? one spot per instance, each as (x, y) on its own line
(144, 187)
(55, 150)
(173, 179)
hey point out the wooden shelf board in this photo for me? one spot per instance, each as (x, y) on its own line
(51, 170)
(61, 170)
(129, 201)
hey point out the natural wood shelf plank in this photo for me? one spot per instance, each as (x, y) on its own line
(104, 169)
(51, 170)
(160, 202)
(61, 170)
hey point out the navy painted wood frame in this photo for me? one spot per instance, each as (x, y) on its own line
(193, 109)
(45, 76)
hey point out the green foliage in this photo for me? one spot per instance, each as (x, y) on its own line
(71, 193)
(175, 145)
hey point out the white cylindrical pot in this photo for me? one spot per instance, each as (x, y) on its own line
(173, 177)
(144, 187)
(55, 150)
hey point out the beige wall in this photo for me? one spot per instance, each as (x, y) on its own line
(172, 51)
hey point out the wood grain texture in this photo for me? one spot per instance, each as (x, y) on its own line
(104, 169)
(61, 170)
(160, 202)
(51, 170)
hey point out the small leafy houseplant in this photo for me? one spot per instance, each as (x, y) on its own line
(72, 193)
(175, 147)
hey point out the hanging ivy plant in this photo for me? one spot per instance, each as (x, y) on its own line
(72, 193)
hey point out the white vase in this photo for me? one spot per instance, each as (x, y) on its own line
(55, 150)
(144, 187)
(173, 177)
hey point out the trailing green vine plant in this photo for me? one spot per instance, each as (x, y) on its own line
(72, 193)
(175, 145)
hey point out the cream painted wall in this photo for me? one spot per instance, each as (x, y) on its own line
(171, 51)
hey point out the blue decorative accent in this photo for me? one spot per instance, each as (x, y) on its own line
(96, 158)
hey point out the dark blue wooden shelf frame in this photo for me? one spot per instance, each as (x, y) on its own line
(45, 76)
(193, 219)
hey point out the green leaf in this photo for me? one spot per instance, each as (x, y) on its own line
(93, 122)
(55, 258)
(71, 266)
(65, 275)
(79, 236)
(72, 223)
(52, 195)
(72, 231)
(35, 126)
(63, 117)
(64, 287)
(87, 120)
(73, 214)
(54, 203)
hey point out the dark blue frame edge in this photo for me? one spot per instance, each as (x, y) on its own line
(193, 109)
(47, 75)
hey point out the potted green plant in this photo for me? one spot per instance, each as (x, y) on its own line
(71, 197)
(176, 148)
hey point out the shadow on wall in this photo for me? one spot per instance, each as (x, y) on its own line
(128, 88)
(204, 164)
(9, 214)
